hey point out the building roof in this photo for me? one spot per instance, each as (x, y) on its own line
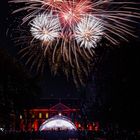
(60, 107)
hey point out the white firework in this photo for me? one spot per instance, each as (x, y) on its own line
(45, 27)
(88, 31)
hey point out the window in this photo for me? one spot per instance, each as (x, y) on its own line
(40, 115)
(33, 116)
(47, 115)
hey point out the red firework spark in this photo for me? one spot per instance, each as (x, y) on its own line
(72, 11)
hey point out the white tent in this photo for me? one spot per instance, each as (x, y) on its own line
(58, 122)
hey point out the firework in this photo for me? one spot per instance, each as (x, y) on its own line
(114, 15)
(72, 11)
(88, 32)
(34, 7)
(45, 27)
(70, 30)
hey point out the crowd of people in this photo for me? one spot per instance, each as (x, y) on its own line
(40, 135)
(103, 134)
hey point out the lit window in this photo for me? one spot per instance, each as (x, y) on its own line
(40, 115)
(33, 116)
(47, 115)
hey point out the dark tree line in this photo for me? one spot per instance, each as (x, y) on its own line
(17, 88)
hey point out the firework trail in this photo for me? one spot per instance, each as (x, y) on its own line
(69, 31)
(115, 15)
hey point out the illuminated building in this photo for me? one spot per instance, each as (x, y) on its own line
(34, 118)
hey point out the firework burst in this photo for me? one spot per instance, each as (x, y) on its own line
(72, 11)
(88, 32)
(114, 15)
(45, 27)
(70, 30)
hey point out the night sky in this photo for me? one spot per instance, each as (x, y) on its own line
(115, 81)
